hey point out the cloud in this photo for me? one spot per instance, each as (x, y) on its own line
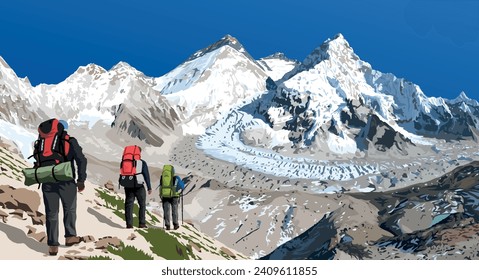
(457, 20)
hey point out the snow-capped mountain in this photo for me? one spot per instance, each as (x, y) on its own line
(92, 93)
(211, 82)
(147, 116)
(276, 65)
(326, 101)
(121, 97)
(323, 103)
(19, 102)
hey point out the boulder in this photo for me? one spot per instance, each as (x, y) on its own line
(104, 242)
(109, 186)
(3, 216)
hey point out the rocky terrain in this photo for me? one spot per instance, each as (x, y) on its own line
(432, 220)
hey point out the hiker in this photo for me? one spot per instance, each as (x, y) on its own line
(55, 146)
(171, 187)
(134, 175)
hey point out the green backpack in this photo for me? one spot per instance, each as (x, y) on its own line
(168, 188)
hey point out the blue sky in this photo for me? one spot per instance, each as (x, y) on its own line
(433, 43)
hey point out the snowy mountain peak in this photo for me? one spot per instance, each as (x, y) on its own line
(6, 69)
(122, 65)
(227, 40)
(337, 48)
(279, 55)
(3, 62)
(26, 80)
(339, 36)
(123, 69)
(463, 98)
(90, 69)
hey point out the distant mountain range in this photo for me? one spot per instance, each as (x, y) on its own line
(332, 101)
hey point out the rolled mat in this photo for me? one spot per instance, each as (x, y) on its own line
(48, 174)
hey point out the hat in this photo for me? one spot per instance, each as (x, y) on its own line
(64, 123)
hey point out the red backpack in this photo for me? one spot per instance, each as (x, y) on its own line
(129, 173)
(52, 146)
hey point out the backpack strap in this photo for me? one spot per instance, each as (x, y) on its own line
(53, 173)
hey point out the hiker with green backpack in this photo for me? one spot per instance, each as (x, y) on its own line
(171, 187)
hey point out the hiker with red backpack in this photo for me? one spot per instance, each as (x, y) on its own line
(55, 148)
(134, 175)
(171, 188)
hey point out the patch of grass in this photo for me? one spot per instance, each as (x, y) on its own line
(167, 246)
(197, 234)
(153, 218)
(8, 176)
(224, 255)
(202, 245)
(99, 258)
(129, 252)
(10, 164)
(112, 202)
(117, 204)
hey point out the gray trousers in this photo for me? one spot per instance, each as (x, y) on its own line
(53, 193)
(169, 203)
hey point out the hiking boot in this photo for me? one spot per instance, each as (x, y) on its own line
(143, 226)
(176, 227)
(72, 240)
(53, 250)
(167, 227)
(129, 226)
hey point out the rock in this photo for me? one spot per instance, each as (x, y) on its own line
(40, 237)
(109, 186)
(19, 199)
(228, 252)
(190, 222)
(103, 243)
(88, 238)
(17, 213)
(3, 216)
(31, 230)
(194, 246)
(28, 200)
(73, 252)
(131, 237)
(73, 257)
(38, 219)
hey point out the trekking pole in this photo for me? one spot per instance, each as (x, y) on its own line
(182, 204)
(182, 208)
(164, 219)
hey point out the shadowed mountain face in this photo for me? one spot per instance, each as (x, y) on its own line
(411, 222)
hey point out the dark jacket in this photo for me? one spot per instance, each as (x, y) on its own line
(146, 174)
(76, 156)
